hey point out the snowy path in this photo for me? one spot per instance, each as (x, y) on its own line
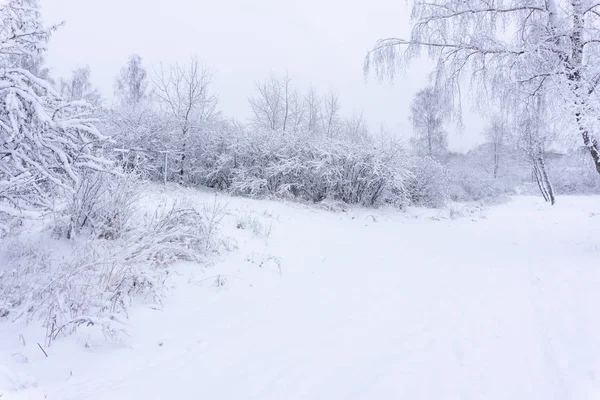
(371, 307)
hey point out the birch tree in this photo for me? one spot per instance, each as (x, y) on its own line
(496, 134)
(511, 48)
(137, 127)
(428, 114)
(533, 134)
(131, 86)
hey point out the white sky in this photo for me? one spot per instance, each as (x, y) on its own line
(322, 42)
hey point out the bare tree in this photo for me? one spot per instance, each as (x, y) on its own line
(496, 134)
(287, 94)
(183, 93)
(294, 109)
(297, 113)
(132, 84)
(356, 126)
(276, 105)
(313, 110)
(267, 105)
(79, 87)
(428, 115)
(516, 47)
(331, 114)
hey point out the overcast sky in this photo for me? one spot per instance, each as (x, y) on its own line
(319, 42)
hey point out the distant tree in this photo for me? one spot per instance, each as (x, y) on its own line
(134, 124)
(331, 114)
(496, 134)
(296, 110)
(355, 127)
(276, 105)
(45, 140)
(312, 103)
(429, 113)
(35, 64)
(131, 85)
(183, 93)
(288, 95)
(79, 87)
(267, 104)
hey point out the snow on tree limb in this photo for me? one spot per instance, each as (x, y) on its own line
(44, 140)
(514, 49)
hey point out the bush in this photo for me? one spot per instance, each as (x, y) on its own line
(285, 165)
(103, 204)
(427, 185)
(574, 174)
(467, 184)
(95, 283)
(307, 167)
(255, 163)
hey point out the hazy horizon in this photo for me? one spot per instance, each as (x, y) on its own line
(245, 43)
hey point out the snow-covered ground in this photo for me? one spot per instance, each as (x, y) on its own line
(364, 304)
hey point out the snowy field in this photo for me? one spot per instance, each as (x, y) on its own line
(500, 303)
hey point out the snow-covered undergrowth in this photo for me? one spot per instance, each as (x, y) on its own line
(110, 246)
(312, 168)
(302, 166)
(490, 302)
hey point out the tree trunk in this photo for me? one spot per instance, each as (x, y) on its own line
(546, 180)
(590, 143)
(287, 107)
(542, 178)
(574, 66)
(538, 180)
(182, 170)
(496, 160)
(429, 139)
(429, 145)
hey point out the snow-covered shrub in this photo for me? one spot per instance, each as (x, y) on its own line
(95, 283)
(264, 163)
(466, 184)
(46, 141)
(140, 138)
(355, 173)
(575, 181)
(103, 204)
(428, 184)
(433, 184)
(296, 164)
(301, 166)
(573, 173)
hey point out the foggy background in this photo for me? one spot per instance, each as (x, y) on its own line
(319, 42)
